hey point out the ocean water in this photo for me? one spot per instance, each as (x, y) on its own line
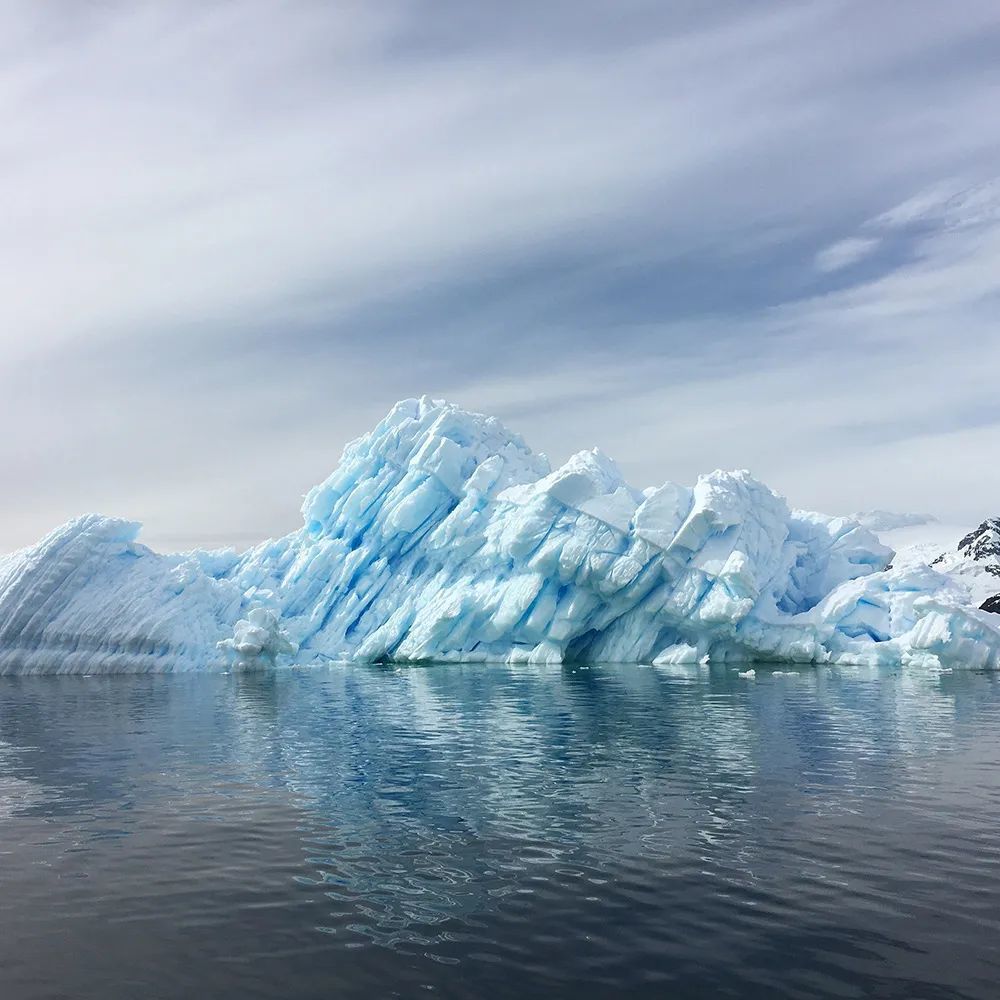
(461, 831)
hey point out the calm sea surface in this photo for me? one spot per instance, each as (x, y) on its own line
(489, 831)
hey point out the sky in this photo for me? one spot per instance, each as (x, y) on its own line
(734, 235)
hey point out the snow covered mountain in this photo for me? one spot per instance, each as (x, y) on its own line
(888, 520)
(983, 545)
(976, 561)
(441, 535)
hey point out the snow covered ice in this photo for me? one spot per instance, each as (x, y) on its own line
(442, 536)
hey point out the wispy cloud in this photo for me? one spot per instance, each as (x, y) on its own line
(845, 252)
(691, 234)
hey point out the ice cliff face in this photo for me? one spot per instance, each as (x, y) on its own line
(89, 596)
(442, 536)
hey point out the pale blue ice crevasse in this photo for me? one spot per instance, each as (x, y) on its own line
(442, 536)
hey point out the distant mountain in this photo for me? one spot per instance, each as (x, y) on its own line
(888, 520)
(977, 561)
(983, 545)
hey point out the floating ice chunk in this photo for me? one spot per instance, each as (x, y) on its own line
(258, 640)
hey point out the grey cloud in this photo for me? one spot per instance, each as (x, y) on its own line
(235, 233)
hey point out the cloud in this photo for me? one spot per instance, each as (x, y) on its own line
(235, 233)
(950, 204)
(845, 253)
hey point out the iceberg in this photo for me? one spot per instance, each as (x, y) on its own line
(442, 536)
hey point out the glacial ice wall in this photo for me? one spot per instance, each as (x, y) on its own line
(441, 536)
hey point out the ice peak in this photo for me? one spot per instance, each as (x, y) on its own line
(426, 438)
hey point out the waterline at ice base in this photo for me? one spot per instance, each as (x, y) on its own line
(442, 537)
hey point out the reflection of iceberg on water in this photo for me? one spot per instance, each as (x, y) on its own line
(441, 536)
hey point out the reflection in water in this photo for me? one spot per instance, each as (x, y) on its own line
(360, 831)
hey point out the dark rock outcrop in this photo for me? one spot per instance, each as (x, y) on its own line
(983, 544)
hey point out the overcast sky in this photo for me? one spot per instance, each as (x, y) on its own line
(760, 236)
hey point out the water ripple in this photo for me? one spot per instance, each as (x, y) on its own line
(500, 831)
